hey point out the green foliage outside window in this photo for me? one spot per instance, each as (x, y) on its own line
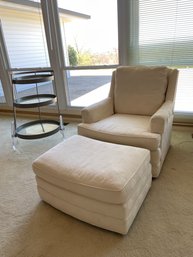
(82, 57)
(73, 58)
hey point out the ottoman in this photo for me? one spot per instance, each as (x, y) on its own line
(101, 183)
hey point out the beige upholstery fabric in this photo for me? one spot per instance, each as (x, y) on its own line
(87, 212)
(85, 163)
(138, 111)
(123, 129)
(100, 183)
(145, 86)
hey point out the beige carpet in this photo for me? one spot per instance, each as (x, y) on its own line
(32, 228)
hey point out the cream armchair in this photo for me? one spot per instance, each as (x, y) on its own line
(138, 111)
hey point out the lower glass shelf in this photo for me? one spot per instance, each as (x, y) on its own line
(37, 129)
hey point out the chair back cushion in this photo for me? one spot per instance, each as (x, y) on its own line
(139, 90)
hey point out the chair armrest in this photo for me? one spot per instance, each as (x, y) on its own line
(160, 119)
(98, 111)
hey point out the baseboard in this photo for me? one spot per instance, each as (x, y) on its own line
(30, 114)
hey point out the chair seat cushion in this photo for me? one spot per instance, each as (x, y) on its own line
(103, 171)
(123, 129)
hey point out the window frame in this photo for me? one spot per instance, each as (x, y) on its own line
(127, 15)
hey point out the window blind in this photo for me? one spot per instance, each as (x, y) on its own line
(163, 35)
(165, 32)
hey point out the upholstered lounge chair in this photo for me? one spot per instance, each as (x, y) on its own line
(138, 111)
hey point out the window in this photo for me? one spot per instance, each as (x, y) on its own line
(88, 86)
(166, 32)
(2, 97)
(90, 40)
(24, 36)
(23, 32)
(165, 37)
(184, 95)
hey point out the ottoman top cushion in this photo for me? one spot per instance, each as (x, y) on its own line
(103, 171)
